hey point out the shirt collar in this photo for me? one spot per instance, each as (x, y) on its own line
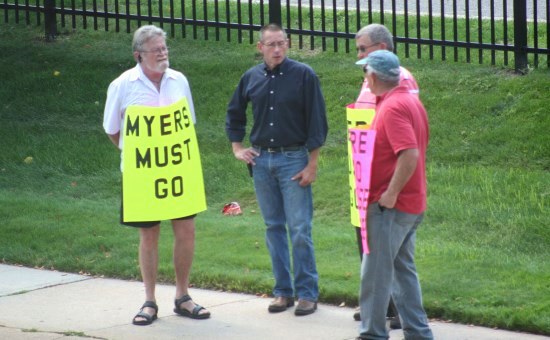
(137, 73)
(281, 68)
(398, 88)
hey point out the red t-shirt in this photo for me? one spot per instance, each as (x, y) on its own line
(401, 122)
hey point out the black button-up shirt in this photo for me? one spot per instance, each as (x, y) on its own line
(287, 104)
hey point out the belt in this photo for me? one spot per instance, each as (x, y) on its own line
(279, 148)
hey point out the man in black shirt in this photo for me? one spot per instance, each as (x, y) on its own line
(289, 127)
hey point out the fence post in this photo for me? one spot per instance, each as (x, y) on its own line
(275, 12)
(520, 35)
(50, 22)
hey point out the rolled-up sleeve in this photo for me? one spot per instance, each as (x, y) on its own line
(112, 114)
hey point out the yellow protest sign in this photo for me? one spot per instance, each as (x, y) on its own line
(356, 118)
(162, 173)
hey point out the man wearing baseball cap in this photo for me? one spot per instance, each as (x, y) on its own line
(397, 203)
(370, 38)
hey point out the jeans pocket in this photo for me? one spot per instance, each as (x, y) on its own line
(406, 219)
(296, 154)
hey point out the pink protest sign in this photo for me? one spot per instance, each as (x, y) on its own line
(362, 148)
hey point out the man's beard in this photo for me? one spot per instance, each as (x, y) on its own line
(162, 66)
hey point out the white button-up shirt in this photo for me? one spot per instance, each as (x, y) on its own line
(133, 88)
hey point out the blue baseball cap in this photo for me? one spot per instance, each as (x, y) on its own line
(383, 62)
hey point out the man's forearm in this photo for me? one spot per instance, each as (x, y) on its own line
(314, 157)
(405, 168)
(114, 138)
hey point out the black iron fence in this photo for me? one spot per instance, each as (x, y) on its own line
(490, 31)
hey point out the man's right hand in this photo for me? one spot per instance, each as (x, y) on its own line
(246, 155)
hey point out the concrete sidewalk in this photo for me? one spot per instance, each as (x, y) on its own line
(42, 304)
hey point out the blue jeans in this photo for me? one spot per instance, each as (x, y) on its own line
(389, 269)
(284, 202)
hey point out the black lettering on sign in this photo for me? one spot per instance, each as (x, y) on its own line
(176, 154)
(362, 143)
(164, 125)
(163, 189)
(177, 186)
(168, 124)
(177, 120)
(149, 122)
(186, 119)
(186, 142)
(132, 128)
(358, 141)
(357, 171)
(143, 160)
(352, 137)
(163, 155)
(353, 198)
(362, 200)
(161, 192)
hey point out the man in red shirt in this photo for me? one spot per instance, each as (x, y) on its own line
(397, 202)
(370, 38)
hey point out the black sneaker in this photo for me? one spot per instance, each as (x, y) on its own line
(395, 323)
(357, 316)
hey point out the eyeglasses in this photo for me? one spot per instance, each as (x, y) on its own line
(158, 51)
(365, 68)
(274, 44)
(364, 49)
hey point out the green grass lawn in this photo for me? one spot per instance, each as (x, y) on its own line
(482, 252)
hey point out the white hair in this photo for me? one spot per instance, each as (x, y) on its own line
(144, 34)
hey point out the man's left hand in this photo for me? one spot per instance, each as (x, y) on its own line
(306, 176)
(387, 200)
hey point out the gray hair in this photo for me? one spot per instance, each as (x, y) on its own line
(272, 28)
(144, 34)
(385, 78)
(377, 34)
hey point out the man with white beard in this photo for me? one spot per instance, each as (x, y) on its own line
(152, 83)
